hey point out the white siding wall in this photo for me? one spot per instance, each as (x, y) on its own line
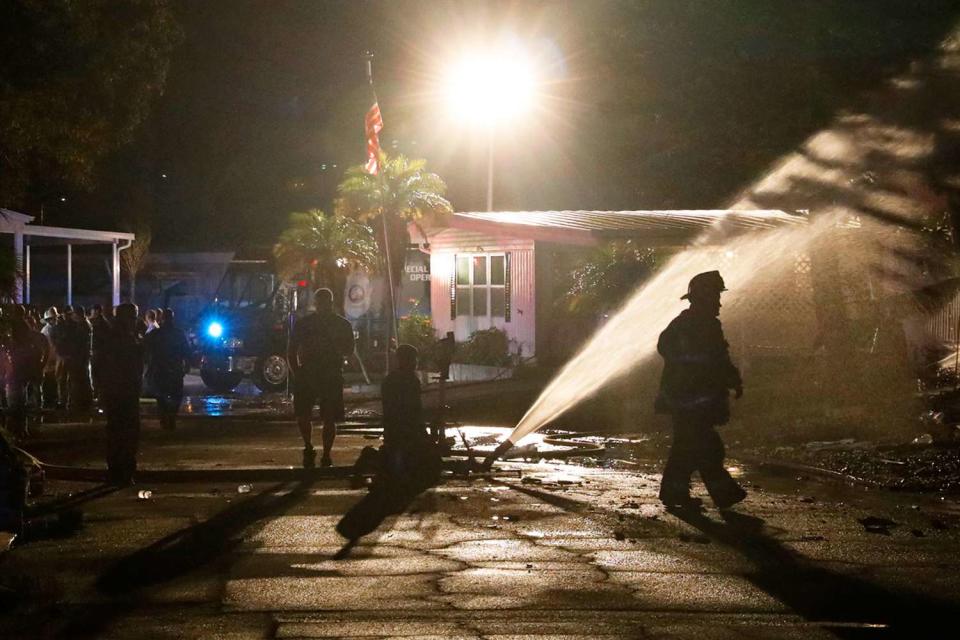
(449, 243)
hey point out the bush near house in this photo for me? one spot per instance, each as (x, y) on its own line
(417, 329)
(489, 347)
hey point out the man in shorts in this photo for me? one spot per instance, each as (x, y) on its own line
(318, 344)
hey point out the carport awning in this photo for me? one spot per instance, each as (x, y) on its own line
(43, 235)
(26, 235)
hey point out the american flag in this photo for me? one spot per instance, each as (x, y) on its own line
(373, 123)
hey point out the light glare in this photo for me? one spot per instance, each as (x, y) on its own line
(215, 330)
(491, 87)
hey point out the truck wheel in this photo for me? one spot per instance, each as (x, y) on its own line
(271, 373)
(220, 381)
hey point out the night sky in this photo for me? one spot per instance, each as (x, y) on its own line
(668, 104)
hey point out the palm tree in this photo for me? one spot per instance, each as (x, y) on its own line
(403, 192)
(325, 246)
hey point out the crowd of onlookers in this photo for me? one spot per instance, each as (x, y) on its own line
(58, 359)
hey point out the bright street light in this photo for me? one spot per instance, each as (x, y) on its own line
(490, 88)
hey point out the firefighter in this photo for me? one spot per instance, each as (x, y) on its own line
(694, 389)
(167, 356)
(123, 373)
(318, 344)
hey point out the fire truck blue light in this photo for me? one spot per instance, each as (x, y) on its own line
(215, 330)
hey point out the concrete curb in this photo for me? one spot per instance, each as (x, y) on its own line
(240, 475)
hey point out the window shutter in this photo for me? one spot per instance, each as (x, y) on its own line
(506, 287)
(453, 290)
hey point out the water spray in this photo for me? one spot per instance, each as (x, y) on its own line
(647, 312)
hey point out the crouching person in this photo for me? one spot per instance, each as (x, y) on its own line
(409, 460)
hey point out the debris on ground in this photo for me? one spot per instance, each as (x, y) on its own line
(699, 539)
(844, 444)
(922, 468)
(875, 524)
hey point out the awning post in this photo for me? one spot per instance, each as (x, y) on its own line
(18, 258)
(26, 274)
(70, 274)
(116, 273)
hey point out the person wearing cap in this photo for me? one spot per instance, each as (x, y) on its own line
(49, 391)
(698, 376)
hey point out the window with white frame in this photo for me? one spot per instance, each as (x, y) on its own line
(480, 283)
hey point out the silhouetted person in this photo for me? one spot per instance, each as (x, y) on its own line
(61, 334)
(151, 322)
(51, 395)
(99, 338)
(77, 361)
(409, 455)
(24, 360)
(167, 353)
(409, 461)
(697, 377)
(123, 373)
(318, 344)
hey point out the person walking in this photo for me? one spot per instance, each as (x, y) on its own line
(123, 374)
(694, 390)
(167, 353)
(318, 344)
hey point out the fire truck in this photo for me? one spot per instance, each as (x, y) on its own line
(243, 331)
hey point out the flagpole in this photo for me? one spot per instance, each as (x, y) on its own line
(392, 326)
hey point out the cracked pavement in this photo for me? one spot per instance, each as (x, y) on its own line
(561, 550)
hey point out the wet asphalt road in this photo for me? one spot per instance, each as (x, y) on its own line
(561, 550)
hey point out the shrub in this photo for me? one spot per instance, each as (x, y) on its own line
(417, 330)
(488, 347)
